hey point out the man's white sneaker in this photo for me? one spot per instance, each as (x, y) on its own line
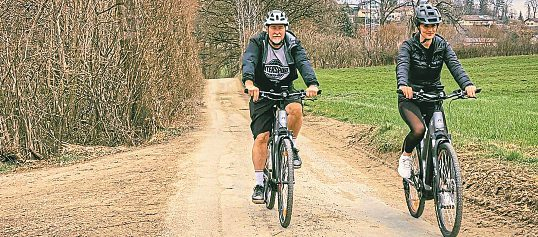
(404, 167)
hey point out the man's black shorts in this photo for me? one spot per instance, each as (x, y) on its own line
(262, 114)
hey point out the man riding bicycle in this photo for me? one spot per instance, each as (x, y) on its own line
(270, 61)
(419, 63)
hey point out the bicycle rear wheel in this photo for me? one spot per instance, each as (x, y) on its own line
(268, 177)
(448, 191)
(413, 191)
(285, 182)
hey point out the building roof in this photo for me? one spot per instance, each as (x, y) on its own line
(350, 2)
(476, 18)
(480, 40)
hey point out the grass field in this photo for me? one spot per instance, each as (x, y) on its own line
(504, 118)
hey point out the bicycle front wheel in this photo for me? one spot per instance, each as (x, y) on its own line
(448, 191)
(285, 182)
(413, 188)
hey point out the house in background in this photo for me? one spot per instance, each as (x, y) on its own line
(401, 14)
(477, 20)
(370, 8)
(479, 41)
(348, 2)
(352, 4)
(356, 15)
(532, 22)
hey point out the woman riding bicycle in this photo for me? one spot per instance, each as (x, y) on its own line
(419, 63)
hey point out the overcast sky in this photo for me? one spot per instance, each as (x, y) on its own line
(519, 5)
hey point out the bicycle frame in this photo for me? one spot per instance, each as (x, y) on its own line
(279, 132)
(436, 133)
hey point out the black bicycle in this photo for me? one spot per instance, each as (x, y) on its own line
(435, 171)
(279, 171)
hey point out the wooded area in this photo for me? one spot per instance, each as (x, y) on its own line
(332, 40)
(93, 72)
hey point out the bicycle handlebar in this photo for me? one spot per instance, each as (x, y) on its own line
(282, 95)
(428, 97)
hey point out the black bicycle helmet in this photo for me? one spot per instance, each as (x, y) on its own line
(427, 14)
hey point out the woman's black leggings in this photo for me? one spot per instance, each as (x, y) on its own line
(411, 113)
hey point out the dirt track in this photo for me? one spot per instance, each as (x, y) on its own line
(200, 185)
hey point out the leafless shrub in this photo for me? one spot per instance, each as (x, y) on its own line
(336, 51)
(380, 46)
(93, 72)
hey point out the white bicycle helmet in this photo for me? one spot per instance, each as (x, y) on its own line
(276, 17)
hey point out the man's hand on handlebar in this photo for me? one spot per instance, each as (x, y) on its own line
(253, 91)
(312, 91)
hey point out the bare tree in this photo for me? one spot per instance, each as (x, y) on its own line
(469, 7)
(387, 7)
(247, 19)
(500, 9)
(224, 27)
(93, 72)
(506, 7)
(532, 6)
(483, 7)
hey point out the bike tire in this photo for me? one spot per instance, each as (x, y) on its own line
(413, 192)
(269, 173)
(448, 182)
(285, 182)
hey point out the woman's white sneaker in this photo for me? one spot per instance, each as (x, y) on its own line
(404, 167)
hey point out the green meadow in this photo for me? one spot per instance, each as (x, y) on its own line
(503, 121)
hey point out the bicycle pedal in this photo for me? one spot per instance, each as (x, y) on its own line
(427, 187)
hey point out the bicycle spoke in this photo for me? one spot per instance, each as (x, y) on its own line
(412, 189)
(448, 181)
(285, 192)
(448, 191)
